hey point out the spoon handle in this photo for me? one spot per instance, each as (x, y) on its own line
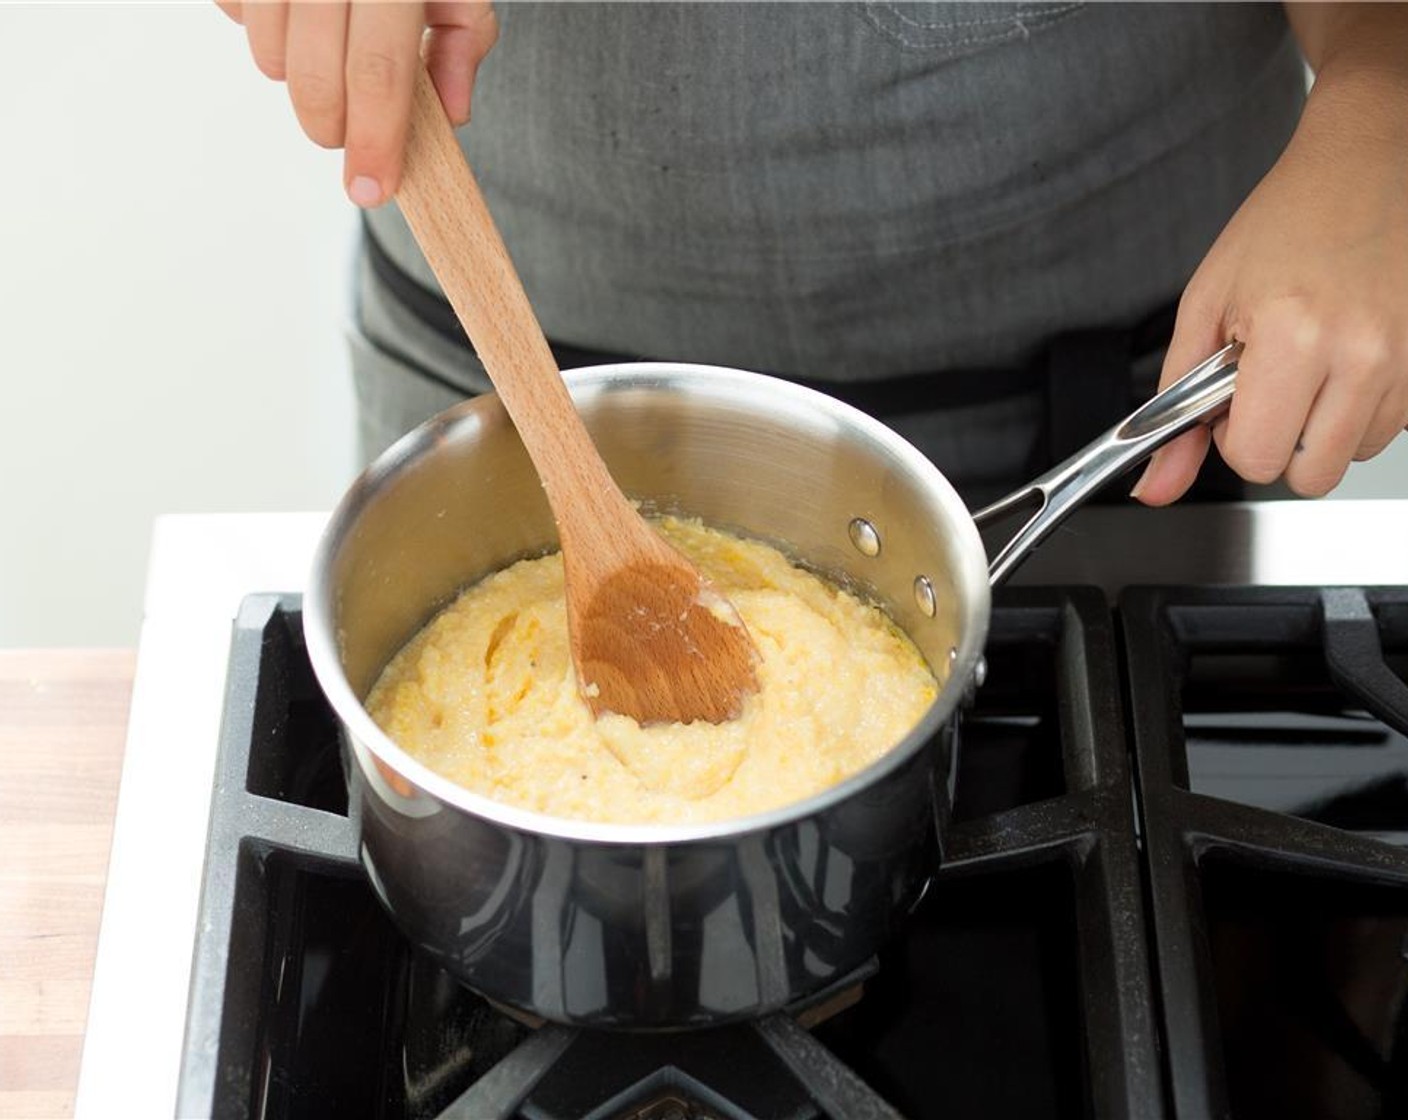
(442, 203)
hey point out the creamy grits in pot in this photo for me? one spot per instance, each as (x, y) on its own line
(486, 695)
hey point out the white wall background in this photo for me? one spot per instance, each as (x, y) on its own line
(173, 256)
(173, 260)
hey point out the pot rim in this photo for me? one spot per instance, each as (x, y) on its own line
(733, 385)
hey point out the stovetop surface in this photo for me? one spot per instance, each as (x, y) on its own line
(1097, 931)
(1234, 961)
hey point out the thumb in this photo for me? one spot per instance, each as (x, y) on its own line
(1197, 334)
(460, 34)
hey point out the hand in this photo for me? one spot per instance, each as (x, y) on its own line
(1311, 275)
(350, 67)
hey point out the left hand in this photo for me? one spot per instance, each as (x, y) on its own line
(1311, 274)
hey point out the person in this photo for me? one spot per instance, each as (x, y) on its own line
(994, 225)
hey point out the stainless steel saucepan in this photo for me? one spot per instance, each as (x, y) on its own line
(647, 926)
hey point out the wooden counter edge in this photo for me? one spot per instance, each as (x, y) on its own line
(63, 725)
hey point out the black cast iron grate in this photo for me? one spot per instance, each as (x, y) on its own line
(1281, 936)
(1021, 987)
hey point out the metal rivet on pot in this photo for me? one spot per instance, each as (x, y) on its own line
(952, 654)
(864, 537)
(924, 595)
(980, 672)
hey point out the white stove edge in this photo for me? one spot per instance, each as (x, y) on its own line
(202, 566)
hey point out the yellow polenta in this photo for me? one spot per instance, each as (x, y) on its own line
(486, 696)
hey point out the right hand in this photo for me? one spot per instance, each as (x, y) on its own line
(350, 66)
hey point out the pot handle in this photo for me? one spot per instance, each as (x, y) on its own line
(1197, 397)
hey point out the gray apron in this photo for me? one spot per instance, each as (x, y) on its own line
(907, 202)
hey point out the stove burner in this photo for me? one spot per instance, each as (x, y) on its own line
(770, 1067)
(671, 1107)
(831, 1005)
(682, 1079)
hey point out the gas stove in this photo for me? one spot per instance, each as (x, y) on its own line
(1176, 885)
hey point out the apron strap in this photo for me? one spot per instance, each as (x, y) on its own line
(888, 396)
(1083, 376)
(1087, 388)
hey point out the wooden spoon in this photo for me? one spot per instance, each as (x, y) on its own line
(650, 639)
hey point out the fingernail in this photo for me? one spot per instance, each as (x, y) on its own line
(364, 191)
(1143, 478)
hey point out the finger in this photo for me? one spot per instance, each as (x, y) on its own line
(1390, 419)
(1390, 415)
(460, 36)
(1336, 426)
(1384, 425)
(232, 9)
(1360, 396)
(383, 51)
(266, 25)
(1173, 468)
(1279, 375)
(317, 46)
(1197, 334)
